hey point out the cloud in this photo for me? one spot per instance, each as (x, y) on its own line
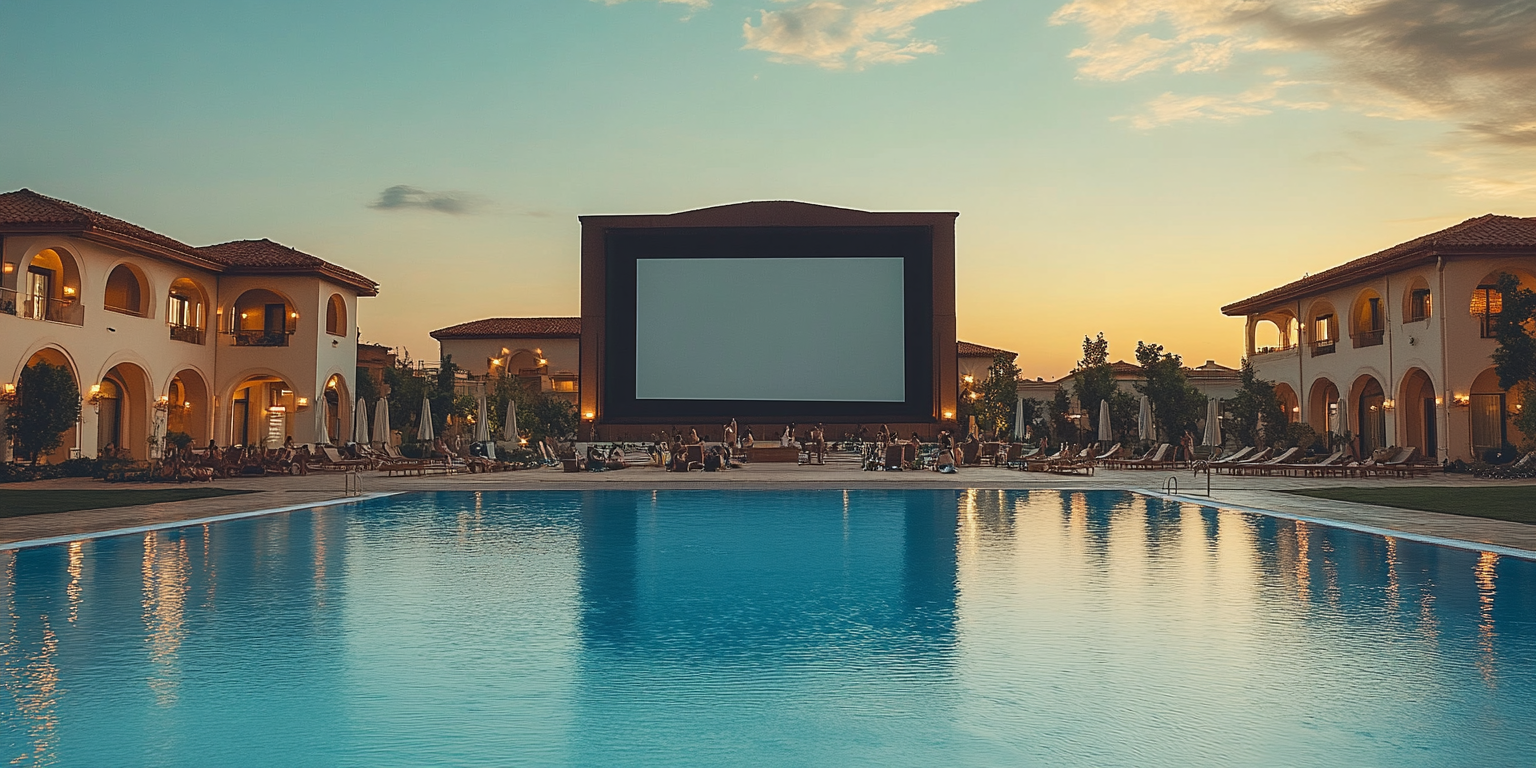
(405, 197)
(1468, 63)
(692, 5)
(842, 35)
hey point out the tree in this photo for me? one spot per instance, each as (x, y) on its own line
(1094, 378)
(1176, 405)
(367, 385)
(999, 396)
(1123, 409)
(1514, 359)
(1257, 418)
(539, 414)
(1062, 428)
(47, 405)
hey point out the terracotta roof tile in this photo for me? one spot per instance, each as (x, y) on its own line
(1485, 234)
(511, 327)
(28, 210)
(266, 256)
(967, 349)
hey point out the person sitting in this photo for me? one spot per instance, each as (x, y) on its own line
(944, 462)
(288, 443)
(746, 438)
(616, 459)
(594, 461)
(714, 458)
(693, 437)
(300, 465)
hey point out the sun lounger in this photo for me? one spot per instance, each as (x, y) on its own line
(1108, 455)
(1268, 467)
(1241, 454)
(1157, 458)
(330, 458)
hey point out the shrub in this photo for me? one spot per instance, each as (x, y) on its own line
(47, 405)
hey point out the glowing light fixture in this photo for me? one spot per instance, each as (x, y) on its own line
(69, 290)
(9, 268)
(303, 402)
(589, 415)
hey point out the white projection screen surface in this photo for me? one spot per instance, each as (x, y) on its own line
(771, 329)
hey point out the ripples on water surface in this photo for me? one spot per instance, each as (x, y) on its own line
(695, 628)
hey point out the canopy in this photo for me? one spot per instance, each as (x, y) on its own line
(1212, 423)
(482, 421)
(424, 429)
(1106, 434)
(509, 424)
(381, 421)
(1144, 420)
(360, 423)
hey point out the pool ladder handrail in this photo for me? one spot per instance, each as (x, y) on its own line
(354, 482)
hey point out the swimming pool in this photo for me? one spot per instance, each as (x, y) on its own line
(705, 628)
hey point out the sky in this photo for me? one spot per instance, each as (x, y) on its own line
(1120, 166)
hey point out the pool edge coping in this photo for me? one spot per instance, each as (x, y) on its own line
(1423, 538)
(49, 541)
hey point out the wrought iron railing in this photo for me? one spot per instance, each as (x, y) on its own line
(1323, 347)
(189, 334)
(7, 301)
(1272, 349)
(1369, 338)
(261, 338)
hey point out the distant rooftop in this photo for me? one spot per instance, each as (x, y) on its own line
(967, 349)
(513, 327)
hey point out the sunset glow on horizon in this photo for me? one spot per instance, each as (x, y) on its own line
(1125, 168)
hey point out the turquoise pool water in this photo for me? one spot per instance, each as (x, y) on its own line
(701, 628)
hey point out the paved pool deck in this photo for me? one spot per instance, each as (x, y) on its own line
(1261, 493)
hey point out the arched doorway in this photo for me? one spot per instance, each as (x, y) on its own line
(50, 288)
(1371, 415)
(337, 408)
(1322, 406)
(1288, 401)
(123, 421)
(262, 318)
(1416, 401)
(1488, 406)
(69, 444)
(187, 406)
(261, 412)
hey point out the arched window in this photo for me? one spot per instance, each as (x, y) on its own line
(263, 319)
(125, 291)
(187, 311)
(336, 316)
(51, 288)
(1368, 321)
(1324, 328)
(1417, 304)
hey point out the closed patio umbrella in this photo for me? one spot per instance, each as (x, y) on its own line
(360, 423)
(381, 421)
(424, 429)
(482, 421)
(509, 424)
(1106, 434)
(1020, 424)
(1144, 419)
(323, 435)
(1212, 435)
(971, 426)
(1341, 420)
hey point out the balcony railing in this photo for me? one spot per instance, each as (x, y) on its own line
(7, 301)
(1271, 350)
(53, 310)
(1368, 338)
(189, 334)
(261, 338)
(1323, 347)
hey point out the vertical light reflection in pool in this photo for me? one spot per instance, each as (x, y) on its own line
(165, 591)
(1486, 571)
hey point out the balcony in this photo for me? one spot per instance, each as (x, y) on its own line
(190, 334)
(1324, 347)
(260, 338)
(1273, 350)
(1368, 338)
(66, 311)
(7, 301)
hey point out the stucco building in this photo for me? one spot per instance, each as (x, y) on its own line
(245, 342)
(1402, 337)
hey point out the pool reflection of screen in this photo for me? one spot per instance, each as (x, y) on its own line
(776, 329)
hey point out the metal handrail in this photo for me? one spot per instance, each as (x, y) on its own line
(188, 333)
(260, 338)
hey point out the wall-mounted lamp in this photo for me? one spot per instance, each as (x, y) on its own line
(8, 268)
(968, 378)
(949, 415)
(293, 315)
(1295, 409)
(542, 361)
(1461, 401)
(589, 415)
(92, 398)
(9, 390)
(186, 406)
(164, 403)
(1439, 401)
(69, 290)
(303, 402)
(277, 409)
(1389, 404)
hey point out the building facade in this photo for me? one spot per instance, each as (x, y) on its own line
(543, 351)
(1402, 338)
(246, 342)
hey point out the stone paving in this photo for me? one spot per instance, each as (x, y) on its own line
(1254, 492)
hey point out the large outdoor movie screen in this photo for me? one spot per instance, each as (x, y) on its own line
(770, 329)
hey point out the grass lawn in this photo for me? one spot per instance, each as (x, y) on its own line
(35, 502)
(1514, 503)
